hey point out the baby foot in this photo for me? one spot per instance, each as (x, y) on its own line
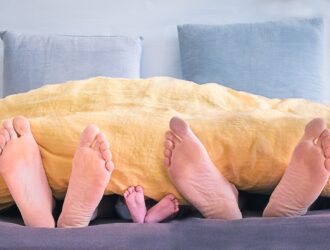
(306, 175)
(134, 198)
(165, 208)
(22, 170)
(91, 171)
(195, 176)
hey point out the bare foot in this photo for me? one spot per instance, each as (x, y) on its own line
(134, 198)
(306, 175)
(22, 170)
(165, 208)
(195, 176)
(91, 171)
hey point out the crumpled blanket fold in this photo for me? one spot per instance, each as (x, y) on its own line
(249, 138)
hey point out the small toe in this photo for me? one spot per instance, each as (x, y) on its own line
(2, 141)
(21, 125)
(104, 145)
(168, 144)
(167, 153)
(106, 155)
(5, 134)
(109, 166)
(131, 189)
(327, 164)
(126, 193)
(99, 139)
(8, 125)
(325, 142)
(314, 129)
(169, 135)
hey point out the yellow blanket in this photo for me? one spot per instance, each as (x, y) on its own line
(250, 138)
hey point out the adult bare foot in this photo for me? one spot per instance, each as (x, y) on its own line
(91, 171)
(165, 208)
(195, 176)
(134, 198)
(22, 170)
(306, 175)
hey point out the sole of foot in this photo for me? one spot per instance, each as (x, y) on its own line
(22, 170)
(91, 171)
(164, 209)
(195, 176)
(306, 174)
(134, 198)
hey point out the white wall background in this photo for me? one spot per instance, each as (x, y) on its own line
(155, 20)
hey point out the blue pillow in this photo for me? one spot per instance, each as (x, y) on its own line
(32, 60)
(280, 59)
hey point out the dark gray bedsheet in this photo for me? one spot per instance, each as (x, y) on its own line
(307, 232)
(188, 232)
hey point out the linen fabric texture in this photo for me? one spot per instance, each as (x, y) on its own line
(249, 138)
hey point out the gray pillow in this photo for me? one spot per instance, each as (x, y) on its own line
(32, 60)
(279, 59)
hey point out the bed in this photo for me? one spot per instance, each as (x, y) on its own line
(308, 232)
(117, 56)
(188, 232)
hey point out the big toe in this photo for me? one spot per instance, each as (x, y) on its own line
(139, 189)
(170, 197)
(314, 128)
(88, 136)
(179, 126)
(21, 125)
